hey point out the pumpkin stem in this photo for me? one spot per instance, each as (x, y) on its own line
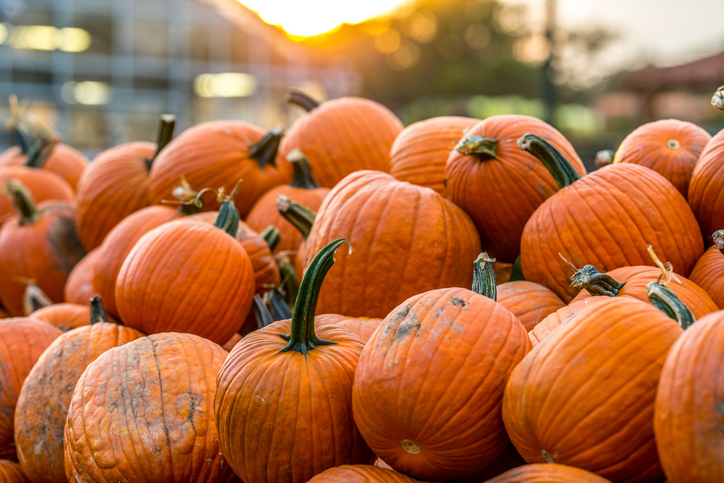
(97, 310)
(595, 282)
(667, 271)
(299, 98)
(34, 298)
(40, 150)
(189, 201)
(297, 214)
(228, 218)
(516, 273)
(271, 236)
(604, 158)
(666, 300)
(166, 126)
(718, 238)
(263, 317)
(279, 308)
(302, 338)
(479, 146)
(22, 201)
(484, 276)
(265, 150)
(718, 99)
(290, 278)
(558, 166)
(302, 176)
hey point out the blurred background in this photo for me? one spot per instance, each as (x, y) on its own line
(101, 71)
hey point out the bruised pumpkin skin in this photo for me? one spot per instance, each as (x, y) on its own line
(10, 472)
(360, 474)
(548, 473)
(167, 435)
(530, 302)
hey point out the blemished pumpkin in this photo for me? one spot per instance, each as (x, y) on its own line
(708, 273)
(79, 288)
(707, 181)
(116, 184)
(42, 407)
(22, 341)
(607, 219)
(499, 185)
(688, 412)
(360, 474)
(548, 473)
(10, 472)
(287, 381)
(669, 146)
(595, 409)
(406, 240)
(43, 186)
(419, 153)
(342, 136)
(167, 435)
(38, 243)
(530, 302)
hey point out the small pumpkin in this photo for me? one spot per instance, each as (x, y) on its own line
(548, 473)
(64, 316)
(708, 273)
(360, 474)
(10, 472)
(530, 302)
(79, 288)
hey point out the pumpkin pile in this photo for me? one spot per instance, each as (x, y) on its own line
(354, 301)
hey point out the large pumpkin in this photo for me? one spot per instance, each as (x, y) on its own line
(10, 472)
(499, 185)
(22, 341)
(43, 185)
(548, 473)
(406, 240)
(419, 153)
(286, 382)
(42, 407)
(606, 219)
(707, 181)
(79, 288)
(143, 413)
(708, 273)
(360, 474)
(530, 302)
(342, 136)
(670, 147)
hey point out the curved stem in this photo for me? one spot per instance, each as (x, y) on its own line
(34, 298)
(279, 308)
(479, 146)
(516, 274)
(666, 300)
(718, 238)
(558, 166)
(297, 214)
(717, 99)
(302, 338)
(302, 176)
(263, 317)
(23, 202)
(265, 150)
(595, 282)
(189, 200)
(97, 310)
(484, 276)
(228, 218)
(299, 98)
(166, 126)
(271, 236)
(290, 279)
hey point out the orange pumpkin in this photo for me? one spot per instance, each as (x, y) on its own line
(64, 316)
(43, 185)
(707, 181)
(419, 153)
(79, 288)
(547, 325)
(670, 147)
(10, 472)
(63, 161)
(360, 474)
(708, 273)
(548, 473)
(528, 301)
(363, 327)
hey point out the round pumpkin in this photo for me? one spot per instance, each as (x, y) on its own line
(688, 413)
(360, 474)
(10, 472)
(419, 153)
(64, 316)
(144, 412)
(530, 302)
(548, 473)
(670, 147)
(79, 288)
(62, 160)
(342, 136)
(406, 240)
(708, 273)
(707, 181)
(498, 184)
(43, 185)
(22, 341)
(547, 325)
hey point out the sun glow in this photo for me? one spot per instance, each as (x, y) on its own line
(314, 17)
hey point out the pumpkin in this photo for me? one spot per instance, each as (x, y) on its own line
(499, 185)
(360, 474)
(419, 153)
(10, 472)
(303, 189)
(79, 288)
(707, 181)
(407, 240)
(43, 185)
(530, 302)
(217, 154)
(64, 316)
(229, 345)
(669, 146)
(363, 327)
(22, 341)
(38, 243)
(429, 383)
(285, 382)
(688, 411)
(708, 273)
(548, 473)
(606, 219)
(188, 276)
(116, 185)
(42, 407)
(342, 136)
(167, 434)
(584, 396)
(546, 326)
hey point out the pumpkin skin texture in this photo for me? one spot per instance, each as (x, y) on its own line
(217, 154)
(43, 403)
(528, 301)
(436, 415)
(363, 327)
(64, 316)
(546, 326)
(707, 181)
(342, 136)
(79, 287)
(22, 341)
(10, 472)
(708, 273)
(670, 147)
(636, 278)
(687, 416)
(419, 153)
(585, 395)
(63, 160)
(501, 194)
(394, 228)
(186, 276)
(548, 473)
(170, 378)
(360, 474)
(607, 219)
(43, 185)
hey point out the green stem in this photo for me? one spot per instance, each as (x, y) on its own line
(271, 236)
(40, 150)
(265, 150)
(484, 277)
(23, 202)
(303, 338)
(299, 98)
(97, 310)
(166, 126)
(228, 218)
(290, 279)
(479, 146)
(665, 300)
(516, 274)
(302, 176)
(34, 298)
(558, 166)
(23, 137)
(263, 317)
(297, 214)
(279, 308)
(595, 282)
(718, 238)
